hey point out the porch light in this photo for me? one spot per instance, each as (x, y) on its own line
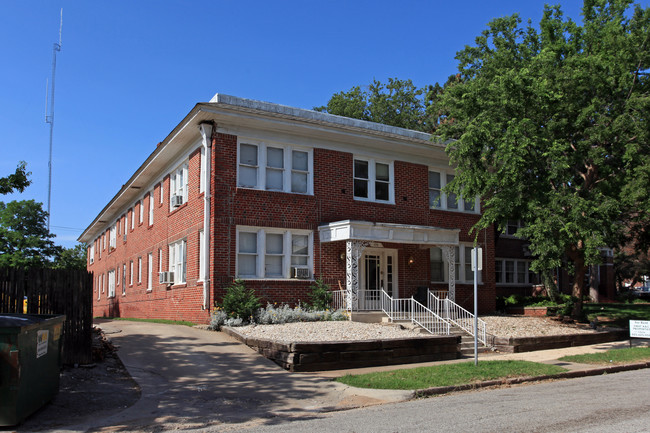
(342, 256)
(411, 260)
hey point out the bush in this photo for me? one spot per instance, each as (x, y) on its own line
(272, 315)
(320, 296)
(240, 302)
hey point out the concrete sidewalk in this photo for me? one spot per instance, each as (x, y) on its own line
(194, 378)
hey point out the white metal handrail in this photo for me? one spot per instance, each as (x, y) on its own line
(339, 300)
(454, 313)
(413, 311)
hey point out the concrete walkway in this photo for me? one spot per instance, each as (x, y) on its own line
(193, 379)
(196, 378)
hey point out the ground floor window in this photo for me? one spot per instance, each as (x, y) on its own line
(274, 253)
(510, 271)
(111, 283)
(178, 260)
(462, 265)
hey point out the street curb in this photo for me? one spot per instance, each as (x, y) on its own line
(517, 380)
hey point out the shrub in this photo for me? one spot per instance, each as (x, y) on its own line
(240, 302)
(320, 296)
(272, 315)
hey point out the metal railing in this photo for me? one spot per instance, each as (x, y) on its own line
(413, 311)
(453, 313)
(339, 300)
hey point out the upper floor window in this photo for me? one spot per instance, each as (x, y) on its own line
(112, 242)
(275, 168)
(273, 253)
(449, 201)
(178, 181)
(513, 226)
(373, 180)
(151, 207)
(202, 175)
(91, 253)
(141, 215)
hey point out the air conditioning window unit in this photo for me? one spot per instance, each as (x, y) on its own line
(177, 200)
(300, 272)
(166, 277)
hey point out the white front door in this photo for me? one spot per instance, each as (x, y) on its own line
(378, 271)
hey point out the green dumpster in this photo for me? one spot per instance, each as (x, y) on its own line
(30, 360)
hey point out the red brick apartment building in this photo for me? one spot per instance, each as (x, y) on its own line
(279, 196)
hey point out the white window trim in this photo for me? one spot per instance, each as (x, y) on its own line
(462, 262)
(151, 207)
(111, 283)
(287, 169)
(201, 254)
(139, 270)
(520, 224)
(372, 178)
(150, 271)
(141, 215)
(124, 279)
(178, 259)
(443, 196)
(131, 274)
(91, 253)
(132, 210)
(179, 182)
(286, 251)
(112, 242)
(202, 176)
(501, 262)
(162, 192)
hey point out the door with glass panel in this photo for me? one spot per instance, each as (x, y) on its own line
(378, 271)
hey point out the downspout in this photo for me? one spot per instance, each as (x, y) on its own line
(208, 131)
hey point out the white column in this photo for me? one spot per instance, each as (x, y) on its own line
(353, 251)
(450, 255)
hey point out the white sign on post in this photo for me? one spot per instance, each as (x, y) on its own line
(480, 259)
(639, 328)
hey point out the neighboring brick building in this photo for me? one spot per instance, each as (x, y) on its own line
(290, 195)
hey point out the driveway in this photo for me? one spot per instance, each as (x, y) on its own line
(192, 378)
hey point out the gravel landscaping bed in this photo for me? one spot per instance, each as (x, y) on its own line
(500, 326)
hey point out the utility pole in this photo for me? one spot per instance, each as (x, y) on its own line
(49, 118)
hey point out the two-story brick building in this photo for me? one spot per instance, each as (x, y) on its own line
(278, 196)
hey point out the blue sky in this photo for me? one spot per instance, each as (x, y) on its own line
(129, 71)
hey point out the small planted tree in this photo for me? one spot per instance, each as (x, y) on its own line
(320, 296)
(240, 302)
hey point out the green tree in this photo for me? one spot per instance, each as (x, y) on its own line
(71, 258)
(24, 238)
(397, 103)
(17, 181)
(552, 126)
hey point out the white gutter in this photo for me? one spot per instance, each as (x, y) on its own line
(208, 130)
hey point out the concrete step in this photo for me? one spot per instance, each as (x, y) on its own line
(368, 316)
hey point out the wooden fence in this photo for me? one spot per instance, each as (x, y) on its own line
(54, 291)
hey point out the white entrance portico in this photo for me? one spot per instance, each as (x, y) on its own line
(371, 268)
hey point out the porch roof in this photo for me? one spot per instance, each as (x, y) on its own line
(387, 232)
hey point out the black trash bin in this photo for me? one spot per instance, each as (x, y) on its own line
(30, 362)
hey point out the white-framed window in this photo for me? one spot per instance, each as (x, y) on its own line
(439, 200)
(132, 212)
(125, 221)
(373, 180)
(91, 253)
(201, 254)
(462, 265)
(111, 283)
(141, 215)
(117, 278)
(512, 226)
(178, 180)
(151, 207)
(150, 269)
(178, 260)
(511, 271)
(123, 279)
(99, 287)
(131, 274)
(112, 243)
(162, 193)
(160, 260)
(139, 270)
(202, 176)
(271, 252)
(275, 167)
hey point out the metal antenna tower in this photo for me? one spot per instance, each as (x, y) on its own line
(49, 118)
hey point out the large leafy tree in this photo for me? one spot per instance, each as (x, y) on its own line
(552, 126)
(24, 238)
(16, 181)
(71, 258)
(397, 103)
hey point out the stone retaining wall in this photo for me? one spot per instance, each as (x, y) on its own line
(529, 344)
(337, 355)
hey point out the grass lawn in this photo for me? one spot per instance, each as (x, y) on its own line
(614, 356)
(620, 313)
(167, 322)
(448, 374)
